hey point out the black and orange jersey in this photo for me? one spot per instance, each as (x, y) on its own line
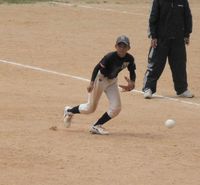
(111, 64)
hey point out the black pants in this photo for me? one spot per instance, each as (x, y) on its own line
(175, 51)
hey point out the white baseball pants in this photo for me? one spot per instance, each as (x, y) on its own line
(110, 87)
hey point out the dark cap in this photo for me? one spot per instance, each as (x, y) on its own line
(123, 39)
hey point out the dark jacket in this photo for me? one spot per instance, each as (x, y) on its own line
(170, 19)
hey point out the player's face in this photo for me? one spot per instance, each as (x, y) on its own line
(122, 49)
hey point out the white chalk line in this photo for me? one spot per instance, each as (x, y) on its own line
(96, 8)
(87, 80)
(106, 9)
(43, 70)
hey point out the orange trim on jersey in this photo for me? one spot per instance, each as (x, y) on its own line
(102, 65)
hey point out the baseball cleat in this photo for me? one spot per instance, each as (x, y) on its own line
(148, 94)
(186, 94)
(67, 117)
(98, 129)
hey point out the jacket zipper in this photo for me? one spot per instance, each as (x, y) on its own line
(172, 4)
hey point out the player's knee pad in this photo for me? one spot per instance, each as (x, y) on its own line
(114, 112)
(90, 110)
(87, 108)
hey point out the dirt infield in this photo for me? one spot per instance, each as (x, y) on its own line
(35, 148)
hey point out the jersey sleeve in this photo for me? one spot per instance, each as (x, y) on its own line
(104, 61)
(95, 72)
(132, 67)
(101, 65)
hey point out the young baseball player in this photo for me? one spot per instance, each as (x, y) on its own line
(104, 79)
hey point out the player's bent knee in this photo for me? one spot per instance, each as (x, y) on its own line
(86, 108)
(90, 110)
(113, 113)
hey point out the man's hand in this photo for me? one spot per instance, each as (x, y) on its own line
(187, 40)
(154, 43)
(90, 87)
(129, 87)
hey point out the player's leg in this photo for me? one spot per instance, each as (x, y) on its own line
(67, 116)
(113, 95)
(177, 62)
(90, 106)
(156, 64)
(94, 96)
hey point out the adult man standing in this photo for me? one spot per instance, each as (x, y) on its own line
(170, 26)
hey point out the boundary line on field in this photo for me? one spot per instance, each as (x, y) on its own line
(96, 8)
(87, 80)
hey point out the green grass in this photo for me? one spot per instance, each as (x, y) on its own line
(21, 1)
(75, 1)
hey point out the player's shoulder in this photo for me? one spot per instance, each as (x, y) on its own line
(130, 57)
(109, 57)
(110, 54)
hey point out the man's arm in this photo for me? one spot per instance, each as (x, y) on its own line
(187, 19)
(153, 19)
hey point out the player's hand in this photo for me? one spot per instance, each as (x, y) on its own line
(154, 43)
(90, 87)
(187, 40)
(129, 87)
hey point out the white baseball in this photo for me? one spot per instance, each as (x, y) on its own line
(170, 123)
